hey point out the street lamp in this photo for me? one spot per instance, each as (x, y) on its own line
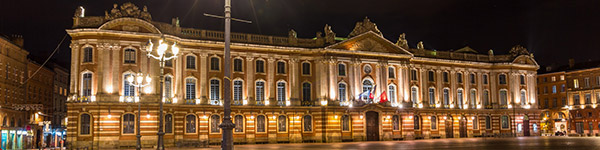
(138, 81)
(161, 50)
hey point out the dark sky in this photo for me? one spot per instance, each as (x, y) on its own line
(554, 30)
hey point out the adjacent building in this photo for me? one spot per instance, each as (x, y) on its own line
(286, 88)
(59, 109)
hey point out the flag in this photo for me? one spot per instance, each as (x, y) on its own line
(383, 97)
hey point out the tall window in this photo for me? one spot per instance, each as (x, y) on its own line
(503, 97)
(190, 124)
(307, 123)
(239, 123)
(485, 79)
(88, 54)
(260, 92)
(128, 123)
(459, 78)
(431, 97)
(586, 82)
(280, 92)
(190, 88)
(502, 79)
(392, 93)
(472, 78)
(345, 123)
(576, 99)
(86, 84)
(260, 66)
(190, 62)
(306, 90)
(475, 123)
(554, 102)
(431, 76)
(433, 122)
(215, 91)
(473, 98)
(575, 83)
(445, 76)
(342, 92)
(504, 122)
(522, 79)
(588, 98)
(488, 123)
(169, 63)
(281, 67)
(413, 75)
(413, 95)
(85, 124)
(237, 65)
(417, 122)
(554, 89)
(396, 122)
(129, 56)
(562, 88)
(486, 98)
(260, 123)
(215, 120)
(128, 89)
(168, 86)
(237, 91)
(459, 98)
(446, 95)
(367, 86)
(214, 63)
(524, 98)
(282, 123)
(391, 72)
(169, 123)
(305, 68)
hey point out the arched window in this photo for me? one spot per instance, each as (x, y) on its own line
(260, 92)
(129, 56)
(307, 121)
(524, 98)
(239, 123)
(214, 63)
(488, 123)
(85, 124)
(342, 93)
(168, 86)
(280, 67)
(237, 92)
(86, 85)
(392, 93)
(260, 123)
(169, 123)
(413, 95)
(215, 120)
(396, 123)
(281, 93)
(260, 66)
(459, 98)
(475, 123)
(391, 72)
(237, 65)
(128, 89)
(367, 86)
(345, 123)
(190, 62)
(504, 122)
(431, 97)
(417, 122)
(215, 91)
(502, 79)
(446, 95)
(306, 90)
(88, 54)
(190, 88)
(486, 98)
(433, 122)
(190, 123)
(128, 124)
(341, 69)
(282, 123)
(473, 98)
(503, 97)
(305, 68)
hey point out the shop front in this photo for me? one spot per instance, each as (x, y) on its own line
(16, 138)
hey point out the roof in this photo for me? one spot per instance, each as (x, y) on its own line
(567, 68)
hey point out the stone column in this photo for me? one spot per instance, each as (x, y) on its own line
(439, 80)
(406, 82)
(494, 93)
(480, 89)
(250, 95)
(351, 73)
(467, 90)
(75, 77)
(179, 78)
(293, 81)
(357, 77)
(100, 62)
(332, 100)
(203, 69)
(453, 87)
(116, 66)
(270, 92)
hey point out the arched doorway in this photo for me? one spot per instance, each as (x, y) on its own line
(463, 126)
(526, 125)
(449, 127)
(372, 126)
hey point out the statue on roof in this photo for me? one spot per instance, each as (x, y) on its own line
(127, 10)
(365, 26)
(518, 50)
(420, 45)
(80, 12)
(292, 33)
(402, 42)
(329, 34)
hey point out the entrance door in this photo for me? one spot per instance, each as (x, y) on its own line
(372, 126)
(449, 127)
(526, 127)
(463, 127)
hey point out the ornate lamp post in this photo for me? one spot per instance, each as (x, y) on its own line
(138, 81)
(160, 55)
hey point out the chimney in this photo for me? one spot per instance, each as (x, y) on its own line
(18, 40)
(571, 63)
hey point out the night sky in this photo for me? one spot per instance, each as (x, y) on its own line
(553, 30)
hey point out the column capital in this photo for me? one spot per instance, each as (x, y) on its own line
(249, 58)
(204, 55)
(271, 59)
(294, 60)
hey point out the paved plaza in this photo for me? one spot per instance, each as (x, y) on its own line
(521, 143)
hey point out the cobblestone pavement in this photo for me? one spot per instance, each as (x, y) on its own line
(520, 143)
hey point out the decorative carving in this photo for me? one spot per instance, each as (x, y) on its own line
(329, 34)
(518, 50)
(402, 42)
(368, 45)
(79, 12)
(292, 34)
(127, 10)
(364, 26)
(420, 45)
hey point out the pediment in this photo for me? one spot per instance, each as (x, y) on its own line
(371, 42)
(131, 25)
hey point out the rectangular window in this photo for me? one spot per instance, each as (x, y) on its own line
(237, 92)
(280, 67)
(564, 101)
(237, 65)
(485, 79)
(391, 72)
(190, 89)
(305, 68)
(260, 123)
(546, 103)
(341, 70)
(504, 122)
(214, 63)
(260, 91)
(554, 103)
(281, 97)
(431, 76)
(598, 80)
(576, 99)
(433, 122)
(87, 54)
(260, 66)
(345, 123)
(168, 123)
(190, 62)
(586, 82)
(475, 123)
(488, 123)
(588, 98)
(413, 75)
(502, 79)
(554, 89)
(562, 88)
(562, 77)
(522, 79)
(553, 78)
(396, 122)
(472, 78)
(432, 97)
(445, 76)
(168, 86)
(575, 83)
(129, 56)
(459, 77)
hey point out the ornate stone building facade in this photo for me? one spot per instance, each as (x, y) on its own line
(289, 89)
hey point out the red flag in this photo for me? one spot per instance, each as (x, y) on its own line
(383, 97)
(370, 95)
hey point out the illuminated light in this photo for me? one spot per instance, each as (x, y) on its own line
(150, 45)
(162, 47)
(109, 116)
(336, 116)
(594, 106)
(361, 116)
(204, 117)
(478, 106)
(458, 117)
(245, 102)
(509, 106)
(472, 118)
(137, 99)
(582, 106)
(121, 98)
(164, 99)
(388, 117)
(438, 105)
(297, 117)
(266, 102)
(532, 101)
(197, 101)
(350, 105)
(451, 105)
(175, 99)
(428, 117)
(252, 117)
(323, 103)
(174, 49)
(420, 105)
(410, 117)
(148, 79)
(128, 99)
(288, 103)
(273, 117)
(563, 120)
(466, 107)
(130, 79)
(148, 90)
(517, 100)
(93, 98)
(108, 89)
(527, 106)
(139, 79)
(37, 115)
(148, 116)
(444, 117)
(400, 106)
